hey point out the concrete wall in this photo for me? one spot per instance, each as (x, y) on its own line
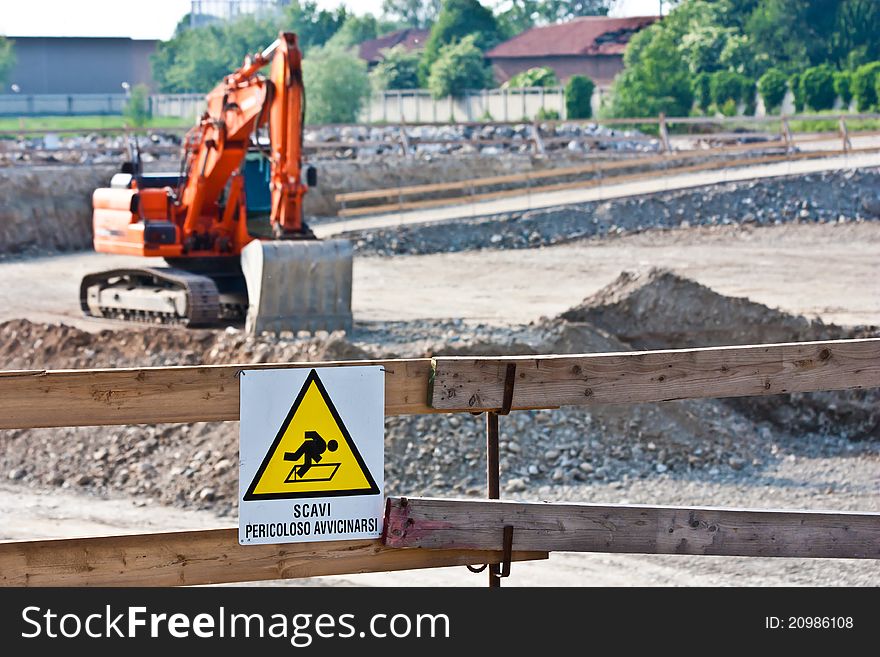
(48, 208)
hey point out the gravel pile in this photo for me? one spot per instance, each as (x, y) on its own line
(461, 139)
(544, 451)
(94, 148)
(838, 196)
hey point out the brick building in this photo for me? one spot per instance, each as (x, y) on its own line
(410, 38)
(591, 46)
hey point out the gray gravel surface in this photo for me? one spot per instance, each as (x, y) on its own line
(839, 196)
(554, 454)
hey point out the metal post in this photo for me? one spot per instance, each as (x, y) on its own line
(492, 479)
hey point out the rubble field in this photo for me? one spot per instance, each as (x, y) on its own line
(560, 454)
(826, 197)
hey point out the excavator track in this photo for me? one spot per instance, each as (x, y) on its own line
(155, 295)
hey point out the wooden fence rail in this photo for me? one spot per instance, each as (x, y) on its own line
(596, 170)
(209, 393)
(478, 524)
(210, 557)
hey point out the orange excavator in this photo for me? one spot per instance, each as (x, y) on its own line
(230, 222)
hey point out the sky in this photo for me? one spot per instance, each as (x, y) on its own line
(155, 19)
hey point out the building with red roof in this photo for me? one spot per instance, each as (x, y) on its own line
(410, 38)
(591, 46)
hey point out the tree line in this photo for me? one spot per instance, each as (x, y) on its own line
(711, 56)
(337, 80)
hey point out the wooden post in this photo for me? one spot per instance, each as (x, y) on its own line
(404, 140)
(786, 134)
(844, 135)
(539, 143)
(664, 133)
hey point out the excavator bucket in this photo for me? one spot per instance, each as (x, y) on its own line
(298, 285)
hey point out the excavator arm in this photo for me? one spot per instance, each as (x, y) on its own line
(215, 149)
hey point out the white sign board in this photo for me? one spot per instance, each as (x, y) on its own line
(312, 451)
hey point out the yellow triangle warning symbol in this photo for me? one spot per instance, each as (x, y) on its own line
(313, 455)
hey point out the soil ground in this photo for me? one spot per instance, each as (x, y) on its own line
(829, 271)
(805, 269)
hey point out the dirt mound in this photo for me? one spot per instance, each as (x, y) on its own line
(196, 465)
(189, 465)
(659, 309)
(28, 345)
(48, 208)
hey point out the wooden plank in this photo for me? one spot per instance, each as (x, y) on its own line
(488, 196)
(607, 180)
(478, 524)
(60, 398)
(209, 557)
(149, 395)
(474, 384)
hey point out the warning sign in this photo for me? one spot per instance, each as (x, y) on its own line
(312, 454)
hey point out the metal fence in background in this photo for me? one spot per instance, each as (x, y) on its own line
(61, 104)
(416, 105)
(187, 106)
(408, 106)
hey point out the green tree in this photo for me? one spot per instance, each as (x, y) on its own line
(843, 86)
(313, 26)
(863, 86)
(197, 59)
(355, 30)
(558, 11)
(772, 87)
(818, 86)
(702, 96)
(797, 90)
(854, 39)
(337, 85)
(458, 19)
(727, 89)
(137, 109)
(579, 97)
(795, 34)
(413, 13)
(7, 59)
(542, 76)
(460, 66)
(399, 69)
(655, 79)
(515, 16)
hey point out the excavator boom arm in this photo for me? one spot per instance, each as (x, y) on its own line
(237, 107)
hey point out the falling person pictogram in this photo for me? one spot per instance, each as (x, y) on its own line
(312, 453)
